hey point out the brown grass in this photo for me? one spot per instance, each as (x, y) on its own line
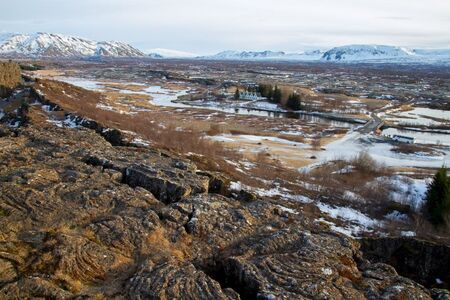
(84, 103)
(159, 247)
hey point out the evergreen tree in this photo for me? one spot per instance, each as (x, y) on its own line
(438, 198)
(277, 95)
(294, 102)
(237, 94)
(265, 90)
(269, 92)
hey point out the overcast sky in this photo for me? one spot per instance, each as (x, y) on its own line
(207, 26)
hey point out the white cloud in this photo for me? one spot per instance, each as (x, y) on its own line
(211, 25)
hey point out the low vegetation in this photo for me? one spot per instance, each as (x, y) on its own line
(10, 77)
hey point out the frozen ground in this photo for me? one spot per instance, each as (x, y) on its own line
(354, 143)
(87, 84)
(418, 116)
(421, 137)
(256, 139)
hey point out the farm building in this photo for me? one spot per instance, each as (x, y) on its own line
(403, 139)
(250, 96)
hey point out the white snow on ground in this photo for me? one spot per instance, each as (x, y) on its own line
(2, 114)
(353, 143)
(277, 191)
(408, 191)
(327, 271)
(427, 138)
(46, 108)
(286, 209)
(344, 170)
(235, 186)
(396, 216)
(68, 122)
(264, 105)
(141, 142)
(360, 222)
(87, 84)
(283, 193)
(408, 233)
(348, 195)
(418, 116)
(256, 139)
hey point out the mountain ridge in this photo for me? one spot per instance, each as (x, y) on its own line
(49, 45)
(42, 44)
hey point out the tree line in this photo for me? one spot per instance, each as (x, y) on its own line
(274, 94)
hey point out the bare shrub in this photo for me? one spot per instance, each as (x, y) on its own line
(215, 129)
(364, 162)
(316, 143)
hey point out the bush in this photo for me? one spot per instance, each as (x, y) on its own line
(438, 198)
(364, 162)
(294, 102)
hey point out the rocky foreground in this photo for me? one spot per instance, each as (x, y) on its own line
(81, 218)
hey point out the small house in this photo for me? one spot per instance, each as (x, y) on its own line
(404, 139)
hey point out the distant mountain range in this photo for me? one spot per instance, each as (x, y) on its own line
(350, 53)
(58, 45)
(169, 53)
(42, 45)
(265, 55)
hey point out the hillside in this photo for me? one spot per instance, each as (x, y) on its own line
(58, 45)
(86, 213)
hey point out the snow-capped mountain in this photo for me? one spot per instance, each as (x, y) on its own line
(366, 52)
(265, 55)
(169, 53)
(58, 45)
(155, 55)
(350, 53)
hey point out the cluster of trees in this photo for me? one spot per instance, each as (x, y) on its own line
(275, 95)
(294, 102)
(438, 199)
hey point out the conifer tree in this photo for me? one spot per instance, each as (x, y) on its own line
(438, 198)
(237, 94)
(294, 102)
(277, 95)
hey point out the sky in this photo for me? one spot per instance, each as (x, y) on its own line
(209, 26)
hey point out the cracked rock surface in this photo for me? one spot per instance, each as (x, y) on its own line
(80, 218)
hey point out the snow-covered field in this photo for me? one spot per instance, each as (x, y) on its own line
(160, 96)
(354, 143)
(256, 138)
(421, 137)
(87, 84)
(418, 116)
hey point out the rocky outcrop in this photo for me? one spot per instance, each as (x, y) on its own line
(168, 185)
(170, 280)
(424, 262)
(81, 218)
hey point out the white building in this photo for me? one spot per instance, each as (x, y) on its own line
(250, 96)
(404, 139)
